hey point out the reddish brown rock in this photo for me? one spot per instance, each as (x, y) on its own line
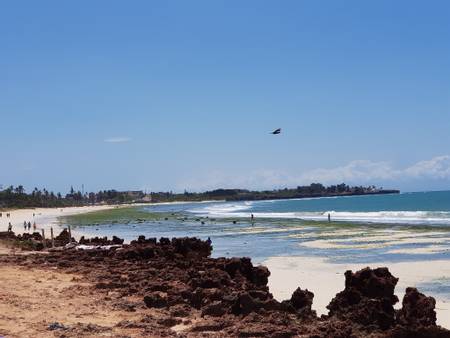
(417, 309)
(368, 298)
(229, 297)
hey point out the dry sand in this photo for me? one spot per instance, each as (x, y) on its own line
(326, 279)
(44, 217)
(32, 299)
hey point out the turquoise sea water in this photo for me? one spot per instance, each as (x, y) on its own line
(424, 208)
(363, 228)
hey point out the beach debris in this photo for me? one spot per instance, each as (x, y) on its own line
(57, 326)
(92, 247)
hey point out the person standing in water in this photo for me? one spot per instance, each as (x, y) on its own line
(329, 217)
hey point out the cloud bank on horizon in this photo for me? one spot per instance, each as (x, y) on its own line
(358, 172)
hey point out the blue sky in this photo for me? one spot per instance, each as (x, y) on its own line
(168, 95)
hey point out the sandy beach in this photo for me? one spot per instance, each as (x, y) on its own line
(45, 218)
(326, 279)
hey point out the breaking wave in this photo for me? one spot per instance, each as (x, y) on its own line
(245, 209)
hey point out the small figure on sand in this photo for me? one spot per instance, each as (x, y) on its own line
(9, 227)
(24, 225)
(329, 217)
(34, 226)
(29, 226)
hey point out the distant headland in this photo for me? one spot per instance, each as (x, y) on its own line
(17, 197)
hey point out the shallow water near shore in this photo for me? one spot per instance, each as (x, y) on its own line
(391, 230)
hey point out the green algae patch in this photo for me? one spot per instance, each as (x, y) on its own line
(122, 215)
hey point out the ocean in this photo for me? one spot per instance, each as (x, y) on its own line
(395, 227)
(420, 208)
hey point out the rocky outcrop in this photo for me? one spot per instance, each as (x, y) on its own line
(300, 302)
(229, 297)
(368, 298)
(417, 309)
(100, 241)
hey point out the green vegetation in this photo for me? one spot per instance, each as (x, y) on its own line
(312, 190)
(117, 215)
(16, 197)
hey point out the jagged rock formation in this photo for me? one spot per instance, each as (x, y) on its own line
(100, 241)
(368, 298)
(229, 297)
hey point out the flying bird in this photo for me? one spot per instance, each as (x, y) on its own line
(276, 131)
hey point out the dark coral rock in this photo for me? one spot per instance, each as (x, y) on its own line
(117, 240)
(136, 253)
(367, 299)
(260, 275)
(215, 309)
(417, 309)
(63, 238)
(155, 300)
(302, 299)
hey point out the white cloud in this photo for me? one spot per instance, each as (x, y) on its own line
(437, 167)
(359, 170)
(355, 172)
(117, 140)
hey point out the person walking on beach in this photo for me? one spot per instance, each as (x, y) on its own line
(329, 217)
(34, 226)
(9, 227)
(24, 225)
(29, 226)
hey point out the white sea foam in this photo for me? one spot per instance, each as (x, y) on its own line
(243, 210)
(223, 210)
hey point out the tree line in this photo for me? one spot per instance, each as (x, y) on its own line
(17, 197)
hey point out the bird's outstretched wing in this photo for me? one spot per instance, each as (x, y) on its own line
(276, 131)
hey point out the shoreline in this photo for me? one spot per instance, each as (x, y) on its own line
(46, 218)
